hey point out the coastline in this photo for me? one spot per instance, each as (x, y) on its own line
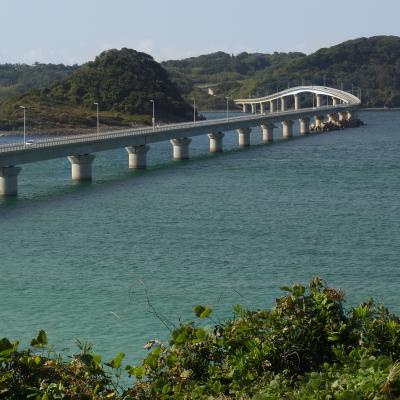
(83, 131)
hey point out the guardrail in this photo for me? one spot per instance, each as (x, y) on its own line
(156, 130)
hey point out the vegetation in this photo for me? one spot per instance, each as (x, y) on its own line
(307, 347)
(17, 79)
(122, 81)
(225, 74)
(372, 64)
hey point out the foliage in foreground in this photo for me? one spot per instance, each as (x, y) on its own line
(307, 347)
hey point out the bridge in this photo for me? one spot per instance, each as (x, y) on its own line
(330, 103)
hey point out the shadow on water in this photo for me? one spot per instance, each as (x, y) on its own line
(76, 186)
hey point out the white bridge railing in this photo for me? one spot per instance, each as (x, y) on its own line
(6, 148)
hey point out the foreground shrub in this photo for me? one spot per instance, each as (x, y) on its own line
(307, 347)
(307, 339)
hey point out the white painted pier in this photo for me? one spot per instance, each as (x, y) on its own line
(80, 150)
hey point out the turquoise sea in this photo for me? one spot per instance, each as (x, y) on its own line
(97, 261)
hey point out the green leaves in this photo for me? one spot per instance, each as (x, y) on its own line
(202, 311)
(116, 361)
(7, 348)
(307, 347)
(40, 340)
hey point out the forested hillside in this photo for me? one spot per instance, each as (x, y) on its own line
(20, 78)
(122, 81)
(223, 73)
(370, 64)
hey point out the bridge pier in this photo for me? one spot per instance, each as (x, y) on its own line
(81, 167)
(261, 108)
(304, 125)
(181, 148)
(287, 129)
(271, 106)
(253, 108)
(9, 180)
(137, 156)
(216, 142)
(244, 137)
(283, 103)
(244, 108)
(297, 102)
(335, 101)
(268, 133)
(319, 100)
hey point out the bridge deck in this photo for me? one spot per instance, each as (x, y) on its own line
(16, 154)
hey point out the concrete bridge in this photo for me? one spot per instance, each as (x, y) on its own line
(330, 103)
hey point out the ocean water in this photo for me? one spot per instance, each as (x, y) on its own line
(109, 261)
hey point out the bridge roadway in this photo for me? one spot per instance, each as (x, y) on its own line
(80, 149)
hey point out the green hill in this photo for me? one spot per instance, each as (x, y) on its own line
(20, 78)
(223, 73)
(372, 64)
(122, 81)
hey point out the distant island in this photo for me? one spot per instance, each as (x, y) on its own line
(122, 81)
(60, 98)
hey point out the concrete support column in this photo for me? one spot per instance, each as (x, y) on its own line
(271, 106)
(244, 108)
(283, 103)
(81, 167)
(244, 137)
(304, 125)
(296, 102)
(216, 142)
(335, 101)
(138, 156)
(9, 180)
(181, 148)
(319, 100)
(253, 108)
(287, 129)
(261, 108)
(268, 133)
(319, 120)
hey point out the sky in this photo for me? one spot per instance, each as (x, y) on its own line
(75, 31)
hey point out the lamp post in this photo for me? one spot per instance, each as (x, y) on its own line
(194, 111)
(227, 108)
(98, 125)
(24, 108)
(153, 120)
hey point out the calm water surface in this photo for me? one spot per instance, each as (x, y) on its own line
(78, 260)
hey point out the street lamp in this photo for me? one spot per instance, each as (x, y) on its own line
(98, 125)
(153, 120)
(23, 107)
(194, 111)
(227, 107)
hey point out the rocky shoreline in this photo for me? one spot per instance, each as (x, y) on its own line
(336, 125)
